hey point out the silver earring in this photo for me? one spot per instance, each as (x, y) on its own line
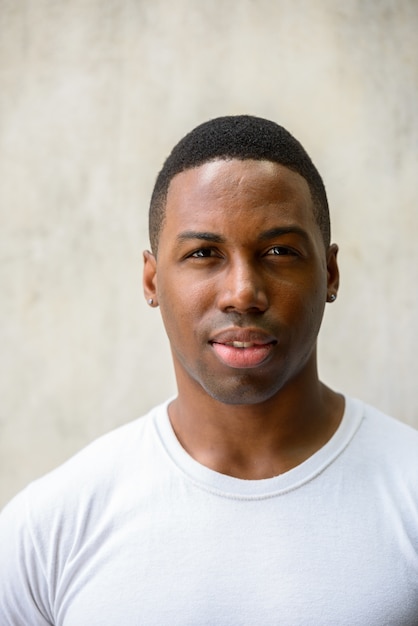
(150, 301)
(332, 297)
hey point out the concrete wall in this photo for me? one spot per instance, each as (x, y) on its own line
(93, 94)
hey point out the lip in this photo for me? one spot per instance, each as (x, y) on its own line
(242, 347)
(254, 336)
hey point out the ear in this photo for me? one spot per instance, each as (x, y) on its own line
(149, 278)
(333, 273)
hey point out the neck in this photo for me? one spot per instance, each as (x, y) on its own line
(255, 441)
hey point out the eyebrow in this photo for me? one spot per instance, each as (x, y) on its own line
(283, 230)
(266, 235)
(204, 236)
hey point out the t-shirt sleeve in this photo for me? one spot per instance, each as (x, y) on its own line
(23, 585)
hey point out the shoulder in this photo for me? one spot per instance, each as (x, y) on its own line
(74, 505)
(385, 442)
(95, 470)
(385, 428)
(81, 498)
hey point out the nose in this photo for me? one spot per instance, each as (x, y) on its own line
(242, 289)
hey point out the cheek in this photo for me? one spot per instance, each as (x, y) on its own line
(187, 297)
(314, 308)
(302, 304)
(182, 308)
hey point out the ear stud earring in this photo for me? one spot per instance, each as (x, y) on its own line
(150, 301)
(332, 298)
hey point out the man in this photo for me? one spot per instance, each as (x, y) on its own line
(257, 496)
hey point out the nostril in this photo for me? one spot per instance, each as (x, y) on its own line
(244, 299)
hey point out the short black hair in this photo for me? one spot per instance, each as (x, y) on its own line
(237, 137)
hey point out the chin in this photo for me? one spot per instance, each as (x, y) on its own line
(243, 392)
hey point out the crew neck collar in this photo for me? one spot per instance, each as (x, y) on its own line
(238, 488)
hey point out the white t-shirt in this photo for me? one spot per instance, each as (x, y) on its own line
(133, 531)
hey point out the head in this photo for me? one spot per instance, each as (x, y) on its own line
(241, 266)
(237, 137)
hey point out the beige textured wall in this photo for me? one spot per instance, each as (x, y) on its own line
(93, 94)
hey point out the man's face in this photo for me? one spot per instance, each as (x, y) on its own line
(241, 278)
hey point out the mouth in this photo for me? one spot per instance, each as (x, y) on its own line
(243, 348)
(241, 344)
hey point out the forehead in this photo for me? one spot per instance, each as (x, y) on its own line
(230, 193)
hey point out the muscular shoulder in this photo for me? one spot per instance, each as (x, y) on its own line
(88, 479)
(388, 448)
(389, 432)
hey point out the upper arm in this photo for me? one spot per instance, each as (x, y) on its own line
(23, 585)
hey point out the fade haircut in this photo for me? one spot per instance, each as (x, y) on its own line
(237, 137)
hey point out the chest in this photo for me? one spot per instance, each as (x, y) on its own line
(214, 561)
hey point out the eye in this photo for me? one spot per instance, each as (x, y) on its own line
(203, 253)
(280, 251)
